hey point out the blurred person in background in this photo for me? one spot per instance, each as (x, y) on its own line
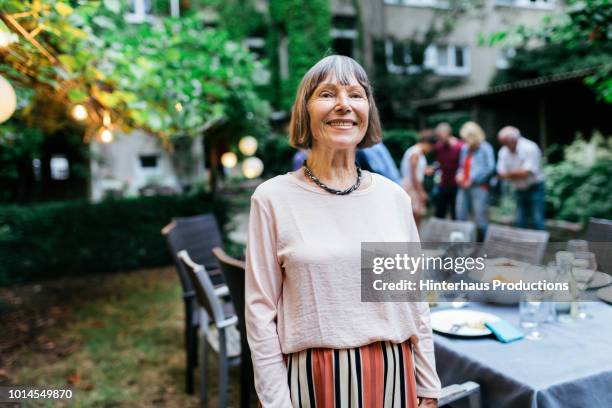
(519, 163)
(298, 159)
(447, 153)
(476, 166)
(377, 159)
(413, 168)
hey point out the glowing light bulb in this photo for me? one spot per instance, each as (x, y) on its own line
(106, 136)
(79, 112)
(229, 160)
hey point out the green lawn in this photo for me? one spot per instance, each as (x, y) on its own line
(117, 340)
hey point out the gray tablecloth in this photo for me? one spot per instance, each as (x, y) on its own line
(571, 367)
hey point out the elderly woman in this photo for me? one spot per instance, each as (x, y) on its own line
(313, 342)
(476, 166)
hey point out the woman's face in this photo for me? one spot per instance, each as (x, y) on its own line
(338, 114)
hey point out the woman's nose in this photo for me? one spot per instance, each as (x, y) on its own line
(343, 102)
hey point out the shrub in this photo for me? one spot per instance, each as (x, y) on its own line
(79, 238)
(276, 154)
(398, 141)
(581, 186)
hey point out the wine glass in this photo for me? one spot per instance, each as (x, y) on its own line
(583, 271)
(577, 245)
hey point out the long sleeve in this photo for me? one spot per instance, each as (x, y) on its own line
(427, 381)
(263, 289)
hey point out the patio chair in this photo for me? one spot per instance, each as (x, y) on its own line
(198, 235)
(515, 243)
(221, 335)
(233, 272)
(438, 230)
(455, 392)
(598, 231)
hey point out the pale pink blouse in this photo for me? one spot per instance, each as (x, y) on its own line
(303, 278)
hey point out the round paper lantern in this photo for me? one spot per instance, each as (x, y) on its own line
(229, 160)
(252, 167)
(248, 145)
(8, 100)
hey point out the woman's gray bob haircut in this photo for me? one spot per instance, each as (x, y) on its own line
(342, 69)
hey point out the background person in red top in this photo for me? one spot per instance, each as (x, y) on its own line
(448, 152)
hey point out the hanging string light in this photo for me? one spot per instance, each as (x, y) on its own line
(106, 136)
(79, 112)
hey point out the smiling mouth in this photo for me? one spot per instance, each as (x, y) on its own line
(342, 124)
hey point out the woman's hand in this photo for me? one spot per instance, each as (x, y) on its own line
(428, 403)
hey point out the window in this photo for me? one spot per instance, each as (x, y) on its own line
(139, 11)
(344, 35)
(448, 59)
(442, 59)
(60, 168)
(419, 3)
(538, 4)
(148, 161)
(399, 58)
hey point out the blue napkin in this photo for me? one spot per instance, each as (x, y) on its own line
(504, 331)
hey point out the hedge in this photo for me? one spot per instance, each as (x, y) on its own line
(76, 238)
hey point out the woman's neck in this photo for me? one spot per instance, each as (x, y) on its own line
(334, 168)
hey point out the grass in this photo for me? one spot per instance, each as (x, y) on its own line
(116, 340)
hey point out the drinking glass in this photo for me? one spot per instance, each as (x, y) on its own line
(583, 271)
(577, 245)
(563, 303)
(533, 312)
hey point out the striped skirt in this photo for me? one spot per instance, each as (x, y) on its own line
(379, 375)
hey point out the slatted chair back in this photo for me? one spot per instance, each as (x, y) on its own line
(439, 230)
(515, 243)
(200, 234)
(203, 287)
(599, 236)
(233, 272)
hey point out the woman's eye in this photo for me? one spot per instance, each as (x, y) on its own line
(326, 94)
(356, 95)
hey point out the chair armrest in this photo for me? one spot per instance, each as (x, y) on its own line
(221, 290)
(231, 321)
(454, 392)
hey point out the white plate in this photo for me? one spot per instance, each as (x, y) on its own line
(600, 280)
(468, 321)
(605, 294)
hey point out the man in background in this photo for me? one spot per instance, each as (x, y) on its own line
(519, 164)
(447, 153)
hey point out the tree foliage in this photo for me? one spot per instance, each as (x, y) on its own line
(137, 73)
(578, 38)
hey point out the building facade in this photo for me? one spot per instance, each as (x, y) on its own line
(458, 52)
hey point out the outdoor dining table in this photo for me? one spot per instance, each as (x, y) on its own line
(570, 367)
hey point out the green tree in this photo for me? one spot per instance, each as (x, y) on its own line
(578, 38)
(173, 77)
